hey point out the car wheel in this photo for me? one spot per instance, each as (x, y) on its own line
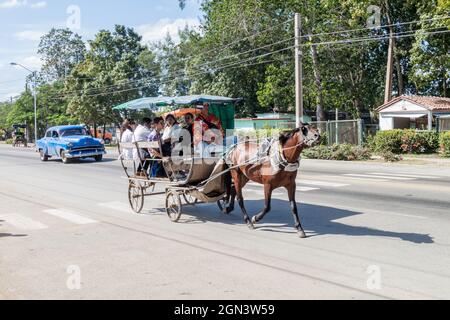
(64, 158)
(44, 157)
(98, 158)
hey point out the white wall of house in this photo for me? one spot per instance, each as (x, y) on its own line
(386, 123)
(401, 109)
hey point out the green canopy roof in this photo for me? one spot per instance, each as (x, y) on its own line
(155, 102)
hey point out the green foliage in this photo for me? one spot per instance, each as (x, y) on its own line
(405, 141)
(389, 156)
(444, 142)
(9, 141)
(60, 50)
(388, 141)
(341, 152)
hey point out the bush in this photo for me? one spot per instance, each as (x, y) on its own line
(405, 141)
(391, 157)
(9, 141)
(444, 142)
(342, 152)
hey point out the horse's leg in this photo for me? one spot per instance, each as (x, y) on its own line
(231, 194)
(268, 198)
(291, 193)
(239, 183)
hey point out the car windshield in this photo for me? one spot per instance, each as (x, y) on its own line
(73, 132)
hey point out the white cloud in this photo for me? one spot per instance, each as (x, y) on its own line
(160, 29)
(7, 4)
(12, 4)
(40, 4)
(30, 35)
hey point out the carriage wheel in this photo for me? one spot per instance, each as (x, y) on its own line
(190, 199)
(173, 206)
(136, 196)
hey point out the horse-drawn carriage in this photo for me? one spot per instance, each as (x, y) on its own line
(191, 177)
(18, 136)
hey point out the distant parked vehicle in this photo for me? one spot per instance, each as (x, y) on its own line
(18, 136)
(107, 137)
(70, 142)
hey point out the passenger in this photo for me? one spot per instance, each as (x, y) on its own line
(126, 136)
(171, 135)
(141, 134)
(207, 131)
(189, 126)
(156, 168)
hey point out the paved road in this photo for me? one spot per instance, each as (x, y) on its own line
(375, 231)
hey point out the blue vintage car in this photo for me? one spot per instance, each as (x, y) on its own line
(70, 142)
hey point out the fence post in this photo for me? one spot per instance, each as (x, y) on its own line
(360, 132)
(329, 132)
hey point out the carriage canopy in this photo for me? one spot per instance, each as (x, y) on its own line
(222, 107)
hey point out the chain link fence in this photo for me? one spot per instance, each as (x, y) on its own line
(339, 132)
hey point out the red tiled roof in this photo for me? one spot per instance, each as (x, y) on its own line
(428, 102)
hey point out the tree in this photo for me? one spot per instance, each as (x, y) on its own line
(60, 50)
(117, 68)
(430, 53)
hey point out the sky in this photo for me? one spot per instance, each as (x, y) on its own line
(23, 22)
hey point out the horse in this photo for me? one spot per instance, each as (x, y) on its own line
(275, 167)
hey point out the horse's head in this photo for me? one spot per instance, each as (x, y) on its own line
(305, 136)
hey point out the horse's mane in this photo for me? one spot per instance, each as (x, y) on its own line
(285, 136)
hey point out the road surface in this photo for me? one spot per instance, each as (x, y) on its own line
(375, 231)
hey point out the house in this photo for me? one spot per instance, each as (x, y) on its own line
(415, 112)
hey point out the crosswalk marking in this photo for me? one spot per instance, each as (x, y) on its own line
(378, 177)
(321, 183)
(22, 222)
(367, 179)
(117, 206)
(301, 189)
(405, 175)
(70, 216)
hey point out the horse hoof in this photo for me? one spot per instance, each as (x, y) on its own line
(302, 234)
(254, 220)
(250, 226)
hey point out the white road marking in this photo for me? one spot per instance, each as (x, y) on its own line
(117, 206)
(301, 189)
(70, 216)
(321, 183)
(376, 177)
(367, 179)
(22, 222)
(405, 175)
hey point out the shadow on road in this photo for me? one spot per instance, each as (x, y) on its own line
(317, 221)
(5, 235)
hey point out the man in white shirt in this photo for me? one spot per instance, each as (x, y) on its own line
(141, 134)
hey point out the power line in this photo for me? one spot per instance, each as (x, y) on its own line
(373, 28)
(195, 67)
(184, 75)
(346, 41)
(350, 41)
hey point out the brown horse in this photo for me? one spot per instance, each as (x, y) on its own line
(275, 167)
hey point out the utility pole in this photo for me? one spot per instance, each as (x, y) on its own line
(35, 108)
(390, 62)
(298, 72)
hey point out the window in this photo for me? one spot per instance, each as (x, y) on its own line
(55, 135)
(48, 134)
(74, 132)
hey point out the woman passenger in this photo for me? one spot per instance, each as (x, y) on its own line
(171, 135)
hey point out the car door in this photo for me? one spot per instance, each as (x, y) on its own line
(52, 144)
